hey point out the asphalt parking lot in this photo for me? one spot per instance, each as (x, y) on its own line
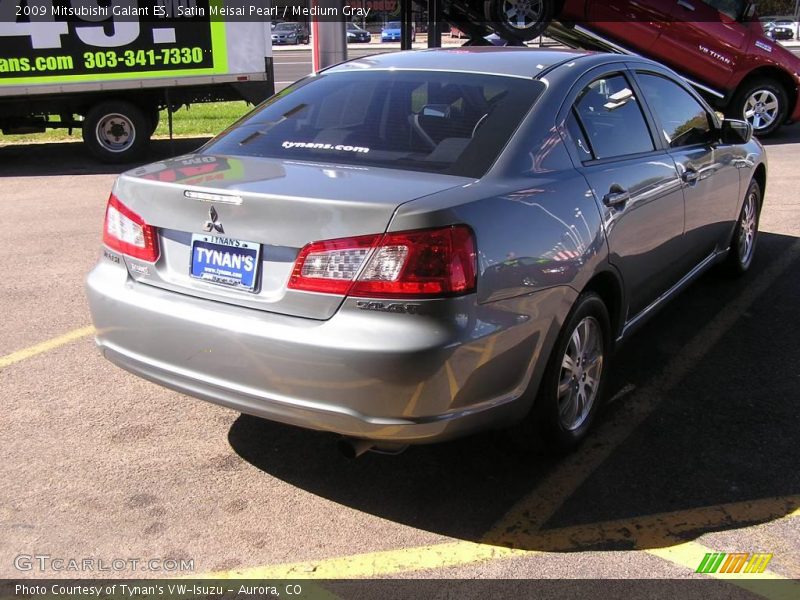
(697, 451)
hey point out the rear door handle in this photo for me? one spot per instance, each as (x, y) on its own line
(690, 176)
(685, 5)
(616, 196)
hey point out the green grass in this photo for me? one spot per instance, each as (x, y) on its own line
(197, 121)
(202, 119)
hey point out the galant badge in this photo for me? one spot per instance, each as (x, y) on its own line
(213, 223)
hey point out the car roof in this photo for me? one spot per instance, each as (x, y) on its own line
(515, 62)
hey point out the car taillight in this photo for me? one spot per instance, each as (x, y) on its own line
(127, 232)
(408, 264)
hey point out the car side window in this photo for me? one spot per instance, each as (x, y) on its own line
(684, 120)
(732, 8)
(612, 119)
(577, 136)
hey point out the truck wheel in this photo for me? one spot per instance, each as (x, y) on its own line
(116, 131)
(763, 103)
(521, 20)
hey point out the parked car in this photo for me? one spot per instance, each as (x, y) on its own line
(459, 250)
(391, 32)
(783, 29)
(290, 33)
(357, 35)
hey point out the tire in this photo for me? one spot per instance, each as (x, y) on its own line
(528, 20)
(116, 131)
(745, 234)
(763, 103)
(556, 420)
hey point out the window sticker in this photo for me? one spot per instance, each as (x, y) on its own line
(319, 146)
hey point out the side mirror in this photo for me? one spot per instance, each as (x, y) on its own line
(734, 131)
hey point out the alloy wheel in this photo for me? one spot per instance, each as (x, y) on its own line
(761, 109)
(522, 14)
(581, 371)
(747, 228)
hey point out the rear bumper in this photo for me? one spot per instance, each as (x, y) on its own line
(406, 378)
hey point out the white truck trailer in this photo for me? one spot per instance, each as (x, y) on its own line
(107, 67)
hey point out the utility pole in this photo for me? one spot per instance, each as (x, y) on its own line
(328, 37)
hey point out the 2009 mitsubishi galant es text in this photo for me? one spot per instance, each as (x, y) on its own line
(411, 247)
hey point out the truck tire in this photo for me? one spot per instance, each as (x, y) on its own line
(116, 131)
(763, 103)
(521, 20)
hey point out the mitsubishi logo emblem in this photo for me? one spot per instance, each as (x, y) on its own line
(213, 223)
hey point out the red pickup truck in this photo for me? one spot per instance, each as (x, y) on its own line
(718, 45)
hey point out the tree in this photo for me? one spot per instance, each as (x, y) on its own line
(777, 7)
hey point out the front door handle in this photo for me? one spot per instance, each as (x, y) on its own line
(690, 176)
(686, 5)
(616, 196)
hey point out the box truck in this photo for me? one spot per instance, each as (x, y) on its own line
(107, 67)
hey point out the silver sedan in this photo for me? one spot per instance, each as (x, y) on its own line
(415, 246)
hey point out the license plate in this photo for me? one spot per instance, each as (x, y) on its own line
(225, 261)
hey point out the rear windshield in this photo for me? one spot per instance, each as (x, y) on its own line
(450, 123)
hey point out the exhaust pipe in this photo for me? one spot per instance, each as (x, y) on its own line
(353, 447)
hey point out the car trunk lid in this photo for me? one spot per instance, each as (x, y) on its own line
(276, 206)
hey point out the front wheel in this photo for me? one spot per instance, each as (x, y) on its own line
(521, 20)
(116, 131)
(745, 234)
(571, 389)
(763, 103)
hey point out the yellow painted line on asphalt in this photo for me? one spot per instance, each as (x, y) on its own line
(46, 346)
(377, 564)
(662, 529)
(522, 524)
(532, 512)
(657, 530)
(690, 554)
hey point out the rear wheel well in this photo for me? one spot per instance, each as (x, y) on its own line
(607, 286)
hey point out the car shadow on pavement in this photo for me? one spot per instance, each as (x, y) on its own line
(784, 135)
(72, 158)
(718, 452)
